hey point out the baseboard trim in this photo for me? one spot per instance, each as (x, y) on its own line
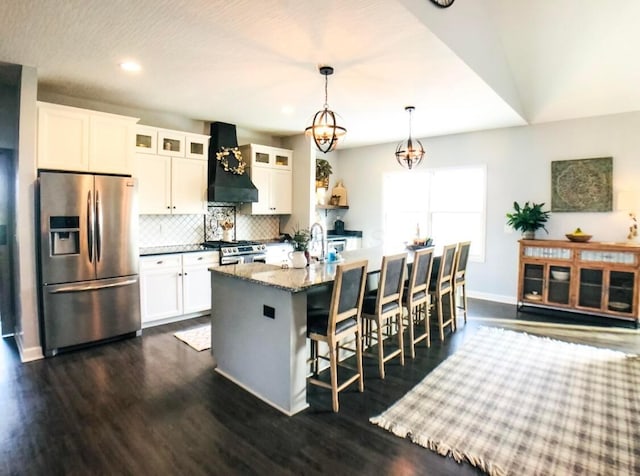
(27, 354)
(492, 297)
(261, 397)
(554, 325)
(169, 320)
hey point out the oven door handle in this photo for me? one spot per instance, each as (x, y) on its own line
(235, 260)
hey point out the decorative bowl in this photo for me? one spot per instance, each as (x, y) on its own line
(619, 306)
(533, 296)
(579, 238)
(560, 275)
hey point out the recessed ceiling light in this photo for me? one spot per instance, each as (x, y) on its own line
(288, 110)
(130, 66)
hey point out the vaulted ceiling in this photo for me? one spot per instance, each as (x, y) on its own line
(479, 64)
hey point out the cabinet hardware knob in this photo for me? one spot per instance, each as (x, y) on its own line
(160, 262)
(186, 274)
(168, 208)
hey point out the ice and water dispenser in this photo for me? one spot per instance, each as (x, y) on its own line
(64, 233)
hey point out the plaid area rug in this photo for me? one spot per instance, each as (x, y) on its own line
(197, 337)
(514, 404)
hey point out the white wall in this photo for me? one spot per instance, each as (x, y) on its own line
(27, 331)
(518, 168)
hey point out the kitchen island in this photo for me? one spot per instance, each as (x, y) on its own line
(259, 324)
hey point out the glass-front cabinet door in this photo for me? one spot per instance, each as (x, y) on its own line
(590, 289)
(533, 282)
(620, 293)
(559, 279)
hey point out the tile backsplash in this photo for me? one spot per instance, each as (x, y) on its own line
(168, 230)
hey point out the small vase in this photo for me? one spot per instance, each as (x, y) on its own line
(529, 235)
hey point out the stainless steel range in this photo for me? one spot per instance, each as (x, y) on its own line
(238, 252)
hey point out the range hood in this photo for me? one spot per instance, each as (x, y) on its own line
(226, 186)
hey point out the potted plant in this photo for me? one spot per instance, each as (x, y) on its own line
(528, 218)
(323, 171)
(300, 239)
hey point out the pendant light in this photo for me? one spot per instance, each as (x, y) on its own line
(324, 129)
(409, 153)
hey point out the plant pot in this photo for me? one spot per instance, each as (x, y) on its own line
(322, 183)
(529, 235)
(298, 259)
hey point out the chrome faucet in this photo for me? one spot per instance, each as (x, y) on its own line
(313, 231)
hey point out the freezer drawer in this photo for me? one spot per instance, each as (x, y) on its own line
(88, 311)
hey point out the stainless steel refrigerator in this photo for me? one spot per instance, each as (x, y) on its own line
(88, 263)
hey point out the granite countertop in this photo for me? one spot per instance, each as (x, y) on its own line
(297, 280)
(288, 279)
(167, 250)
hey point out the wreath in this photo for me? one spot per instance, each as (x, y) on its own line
(223, 157)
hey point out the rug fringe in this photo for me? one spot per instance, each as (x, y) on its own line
(439, 447)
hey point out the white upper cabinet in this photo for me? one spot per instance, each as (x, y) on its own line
(188, 186)
(171, 184)
(146, 140)
(110, 148)
(270, 169)
(81, 140)
(196, 146)
(154, 184)
(171, 143)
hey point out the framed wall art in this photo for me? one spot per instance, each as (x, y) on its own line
(582, 185)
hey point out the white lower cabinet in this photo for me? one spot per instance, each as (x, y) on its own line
(175, 286)
(196, 281)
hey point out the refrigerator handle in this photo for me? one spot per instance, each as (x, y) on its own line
(90, 227)
(98, 226)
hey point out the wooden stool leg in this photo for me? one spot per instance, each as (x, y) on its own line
(334, 374)
(440, 320)
(427, 325)
(401, 336)
(452, 311)
(359, 361)
(412, 315)
(464, 301)
(380, 348)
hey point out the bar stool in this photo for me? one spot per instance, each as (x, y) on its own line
(340, 322)
(385, 307)
(460, 278)
(416, 297)
(442, 286)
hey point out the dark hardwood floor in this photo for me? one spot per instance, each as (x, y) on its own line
(152, 405)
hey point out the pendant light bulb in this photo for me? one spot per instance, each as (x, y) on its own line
(409, 153)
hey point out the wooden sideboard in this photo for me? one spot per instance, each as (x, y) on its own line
(594, 278)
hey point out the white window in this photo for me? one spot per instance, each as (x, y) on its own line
(446, 204)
